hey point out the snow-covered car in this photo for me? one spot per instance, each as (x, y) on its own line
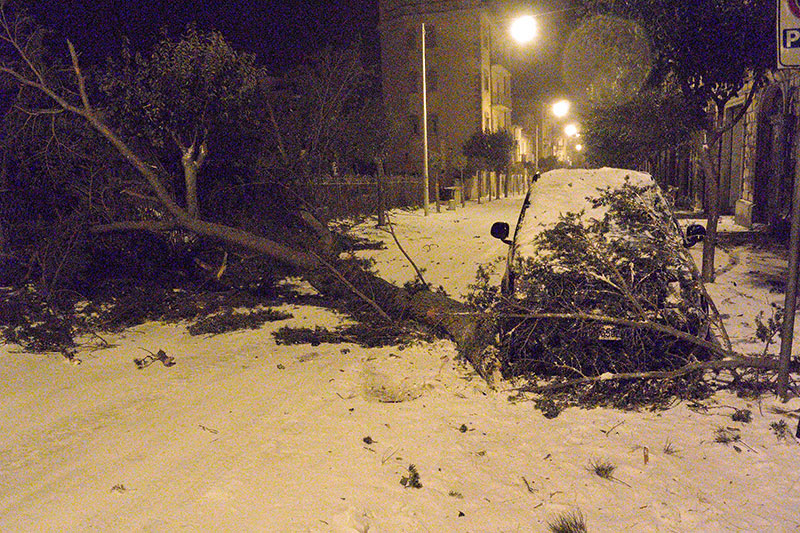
(558, 192)
(597, 257)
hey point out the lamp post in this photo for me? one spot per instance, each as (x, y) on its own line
(425, 177)
(523, 29)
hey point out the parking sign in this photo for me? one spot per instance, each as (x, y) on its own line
(788, 33)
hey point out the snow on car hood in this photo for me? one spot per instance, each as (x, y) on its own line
(562, 191)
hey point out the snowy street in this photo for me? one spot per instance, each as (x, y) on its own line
(243, 434)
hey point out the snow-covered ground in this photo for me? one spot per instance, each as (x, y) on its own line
(246, 435)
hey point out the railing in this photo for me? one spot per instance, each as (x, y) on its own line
(360, 195)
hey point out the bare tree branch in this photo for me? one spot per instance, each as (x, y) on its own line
(647, 324)
(153, 226)
(721, 364)
(400, 247)
(355, 290)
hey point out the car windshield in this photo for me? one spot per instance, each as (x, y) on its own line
(563, 191)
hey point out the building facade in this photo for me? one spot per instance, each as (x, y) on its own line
(468, 86)
(758, 157)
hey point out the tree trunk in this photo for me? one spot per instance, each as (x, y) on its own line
(712, 207)
(711, 174)
(192, 159)
(436, 191)
(379, 179)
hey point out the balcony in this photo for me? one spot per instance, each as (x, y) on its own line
(501, 100)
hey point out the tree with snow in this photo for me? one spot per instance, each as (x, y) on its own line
(712, 50)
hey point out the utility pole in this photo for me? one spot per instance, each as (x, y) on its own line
(790, 303)
(789, 57)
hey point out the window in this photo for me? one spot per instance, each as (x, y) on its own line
(430, 36)
(411, 39)
(413, 82)
(413, 122)
(485, 80)
(433, 124)
(432, 80)
(487, 123)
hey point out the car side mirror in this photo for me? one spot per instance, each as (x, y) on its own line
(500, 230)
(694, 234)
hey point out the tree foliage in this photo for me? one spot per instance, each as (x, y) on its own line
(606, 59)
(324, 111)
(709, 46)
(195, 113)
(186, 89)
(490, 150)
(194, 106)
(711, 49)
(625, 133)
(587, 301)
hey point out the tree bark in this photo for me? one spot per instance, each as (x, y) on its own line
(712, 207)
(192, 159)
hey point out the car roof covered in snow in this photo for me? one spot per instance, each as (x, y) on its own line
(563, 191)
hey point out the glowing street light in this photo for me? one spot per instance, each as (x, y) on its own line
(524, 29)
(561, 108)
(571, 130)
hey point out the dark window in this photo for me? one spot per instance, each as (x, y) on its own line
(433, 124)
(485, 80)
(432, 80)
(430, 36)
(413, 122)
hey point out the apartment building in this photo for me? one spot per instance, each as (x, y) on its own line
(468, 84)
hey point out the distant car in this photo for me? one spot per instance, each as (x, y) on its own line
(592, 249)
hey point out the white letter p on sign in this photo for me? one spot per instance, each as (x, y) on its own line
(791, 38)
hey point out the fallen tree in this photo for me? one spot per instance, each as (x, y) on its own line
(317, 261)
(316, 258)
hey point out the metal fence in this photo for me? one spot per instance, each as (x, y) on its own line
(360, 195)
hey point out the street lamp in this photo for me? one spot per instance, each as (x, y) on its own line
(571, 130)
(523, 29)
(560, 108)
(425, 177)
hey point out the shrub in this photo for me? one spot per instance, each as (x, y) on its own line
(568, 522)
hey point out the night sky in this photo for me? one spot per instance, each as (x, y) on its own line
(279, 32)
